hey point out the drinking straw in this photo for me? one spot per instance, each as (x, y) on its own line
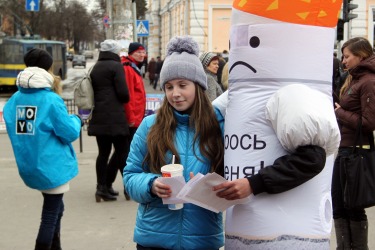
(173, 159)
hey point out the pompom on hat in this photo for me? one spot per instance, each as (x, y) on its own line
(110, 46)
(38, 58)
(182, 62)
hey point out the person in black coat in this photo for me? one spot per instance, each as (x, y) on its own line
(108, 122)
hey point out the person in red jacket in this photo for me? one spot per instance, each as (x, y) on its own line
(135, 108)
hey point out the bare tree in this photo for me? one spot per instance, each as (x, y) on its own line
(57, 20)
(141, 9)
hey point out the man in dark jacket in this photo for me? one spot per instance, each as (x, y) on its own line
(108, 122)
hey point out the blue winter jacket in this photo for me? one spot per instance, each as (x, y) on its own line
(41, 131)
(192, 227)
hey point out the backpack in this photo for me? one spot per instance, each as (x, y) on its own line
(84, 93)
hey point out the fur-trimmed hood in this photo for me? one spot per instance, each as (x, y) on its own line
(34, 77)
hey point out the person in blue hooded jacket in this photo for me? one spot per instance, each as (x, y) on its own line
(187, 126)
(41, 132)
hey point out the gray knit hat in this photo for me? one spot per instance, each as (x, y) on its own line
(207, 57)
(111, 46)
(182, 62)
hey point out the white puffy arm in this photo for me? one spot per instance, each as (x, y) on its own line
(221, 102)
(301, 116)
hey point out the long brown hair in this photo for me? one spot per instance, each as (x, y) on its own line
(360, 47)
(56, 85)
(161, 136)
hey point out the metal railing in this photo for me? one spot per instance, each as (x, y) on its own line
(72, 109)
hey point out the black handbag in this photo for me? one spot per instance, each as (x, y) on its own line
(357, 174)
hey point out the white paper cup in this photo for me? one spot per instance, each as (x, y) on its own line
(172, 170)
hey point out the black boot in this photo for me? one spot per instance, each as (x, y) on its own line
(111, 191)
(56, 243)
(127, 197)
(359, 233)
(41, 246)
(342, 228)
(103, 194)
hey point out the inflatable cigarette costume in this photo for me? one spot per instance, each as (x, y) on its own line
(279, 98)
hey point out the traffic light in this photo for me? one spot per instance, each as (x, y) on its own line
(346, 9)
(340, 30)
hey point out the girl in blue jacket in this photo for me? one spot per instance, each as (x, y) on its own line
(41, 132)
(188, 127)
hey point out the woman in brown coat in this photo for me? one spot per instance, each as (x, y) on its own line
(356, 103)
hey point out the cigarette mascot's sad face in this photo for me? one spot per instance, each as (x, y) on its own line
(282, 38)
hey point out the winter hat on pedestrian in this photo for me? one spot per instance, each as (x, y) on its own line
(207, 57)
(133, 47)
(38, 58)
(111, 46)
(182, 61)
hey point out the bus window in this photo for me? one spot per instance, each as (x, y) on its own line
(12, 51)
(49, 50)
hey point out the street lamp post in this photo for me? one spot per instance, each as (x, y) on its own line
(134, 5)
(109, 33)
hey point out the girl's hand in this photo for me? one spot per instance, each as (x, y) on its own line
(191, 175)
(160, 189)
(233, 190)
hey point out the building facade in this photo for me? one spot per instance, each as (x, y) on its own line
(207, 21)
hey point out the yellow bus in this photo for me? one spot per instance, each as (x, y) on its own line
(12, 51)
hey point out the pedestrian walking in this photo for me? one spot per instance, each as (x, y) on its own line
(108, 122)
(41, 132)
(179, 128)
(151, 70)
(135, 108)
(355, 105)
(159, 65)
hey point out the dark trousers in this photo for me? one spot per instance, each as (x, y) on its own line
(106, 171)
(53, 209)
(132, 131)
(339, 211)
(156, 80)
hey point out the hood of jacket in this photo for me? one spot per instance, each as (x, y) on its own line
(34, 77)
(364, 67)
(106, 55)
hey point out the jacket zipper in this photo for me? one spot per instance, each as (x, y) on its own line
(184, 164)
